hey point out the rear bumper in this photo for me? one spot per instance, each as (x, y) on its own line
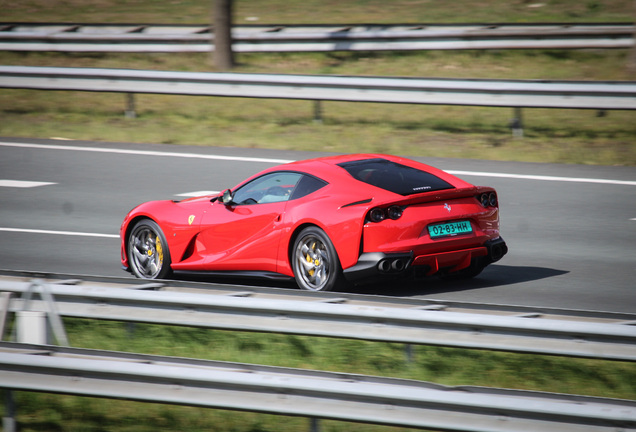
(373, 264)
(377, 264)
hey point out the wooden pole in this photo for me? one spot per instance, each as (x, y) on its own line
(223, 56)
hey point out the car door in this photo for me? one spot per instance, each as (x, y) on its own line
(245, 233)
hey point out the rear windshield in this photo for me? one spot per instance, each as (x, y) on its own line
(394, 177)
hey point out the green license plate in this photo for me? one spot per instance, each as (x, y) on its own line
(449, 229)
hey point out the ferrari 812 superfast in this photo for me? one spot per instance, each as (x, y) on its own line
(325, 222)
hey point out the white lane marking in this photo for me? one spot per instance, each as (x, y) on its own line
(281, 161)
(144, 152)
(198, 193)
(65, 233)
(23, 184)
(543, 178)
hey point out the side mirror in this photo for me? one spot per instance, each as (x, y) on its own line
(226, 197)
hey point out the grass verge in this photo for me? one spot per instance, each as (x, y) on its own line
(318, 11)
(449, 366)
(550, 135)
(565, 136)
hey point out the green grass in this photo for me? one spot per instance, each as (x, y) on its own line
(565, 136)
(449, 366)
(320, 11)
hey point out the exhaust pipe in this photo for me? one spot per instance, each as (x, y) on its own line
(495, 253)
(384, 266)
(392, 265)
(497, 250)
(398, 265)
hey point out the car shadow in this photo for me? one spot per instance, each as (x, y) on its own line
(494, 275)
(237, 280)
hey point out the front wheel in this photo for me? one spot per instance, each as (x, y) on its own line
(148, 254)
(315, 262)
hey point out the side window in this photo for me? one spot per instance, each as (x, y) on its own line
(273, 187)
(307, 185)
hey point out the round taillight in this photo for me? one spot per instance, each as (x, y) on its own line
(492, 199)
(395, 212)
(377, 215)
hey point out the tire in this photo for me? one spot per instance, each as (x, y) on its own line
(148, 253)
(315, 261)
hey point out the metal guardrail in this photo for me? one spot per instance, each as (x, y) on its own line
(307, 393)
(609, 95)
(568, 336)
(284, 391)
(302, 38)
(258, 291)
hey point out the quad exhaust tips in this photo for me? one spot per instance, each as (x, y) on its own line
(372, 264)
(393, 265)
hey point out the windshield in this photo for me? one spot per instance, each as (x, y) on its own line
(394, 177)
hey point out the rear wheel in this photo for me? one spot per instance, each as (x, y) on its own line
(315, 262)
(148, 254)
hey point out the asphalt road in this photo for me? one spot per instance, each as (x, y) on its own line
(571, 229)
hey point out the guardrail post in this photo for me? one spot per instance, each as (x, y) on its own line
(31, 327)
(57, 326)
(314, 425)
(410, 354)
(317, 111)
(130, 106)
(516, 124)
(5, 299)
(8, 420)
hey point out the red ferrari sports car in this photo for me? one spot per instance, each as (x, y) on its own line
(325, 222)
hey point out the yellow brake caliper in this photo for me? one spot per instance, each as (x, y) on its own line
(308, 258)
(159, 250)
